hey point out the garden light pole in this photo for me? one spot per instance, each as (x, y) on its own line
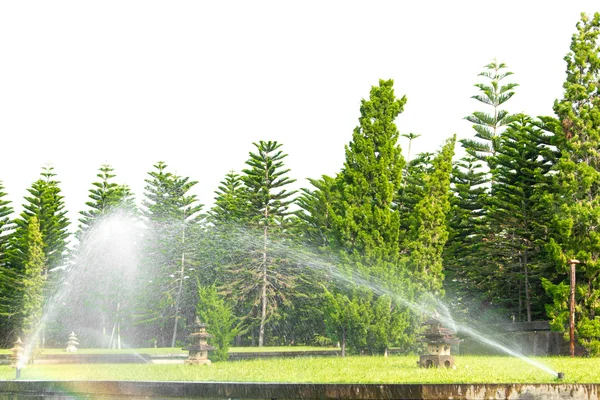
(572, 309)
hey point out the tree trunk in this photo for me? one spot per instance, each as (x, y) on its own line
(343, 343)
(590, 291)
(520, 291)
(263, 314)
(119, 325)
(180, 289)
(112, 335)
(527, 297)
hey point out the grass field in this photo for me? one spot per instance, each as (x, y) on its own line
(177, 350)
(394, 369)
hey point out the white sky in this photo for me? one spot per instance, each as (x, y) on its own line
(194, 83)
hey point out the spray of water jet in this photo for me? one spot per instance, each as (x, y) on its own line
(113, 241)
(96, 283)
(426, 306)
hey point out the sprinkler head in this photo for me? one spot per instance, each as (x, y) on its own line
(18, 373)
(560, 376)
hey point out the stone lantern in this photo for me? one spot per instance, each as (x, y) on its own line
(72, 343)
(439, 343)
(199, 348)
(17, 358)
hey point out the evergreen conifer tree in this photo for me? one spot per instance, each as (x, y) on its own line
(365, 224)
(217, 312)
(173, 215)
(46, 203)
(6, 226)
(33, 279)
(105, 196)
(578, 176)
(8, 276)
(488, 127)
(521, 177)
(316, 211)
(231, 202)
(269, 201)
(462, 261)
(110, 271)
(428, 232)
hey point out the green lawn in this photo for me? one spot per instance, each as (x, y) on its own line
(394, 369)
(176, 350)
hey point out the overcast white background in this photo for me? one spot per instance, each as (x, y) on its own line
(194, 83)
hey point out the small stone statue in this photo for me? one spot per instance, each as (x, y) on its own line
(198, 352)
(439, 342)
(72, 343)
(17, 358)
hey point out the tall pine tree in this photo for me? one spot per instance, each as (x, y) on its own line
(519, 222)
(578, 178)
(33, 279)
(270, 200)
(47, 204)
(173, 215)
(489, 126)
(105, 197)
(365, 225)
(428, 231)
(8, 276)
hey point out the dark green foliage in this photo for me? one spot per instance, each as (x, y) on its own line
(46, 203)
(266, 181)
(6, 227)
(488, 126)
(462, 261)
(215, 311)
(231, 202)
(518, 219)
(269, 276)
(173, 218)
(105, 263)
(428, 229)
(365, 222)
(470, 255)
(316, 211)
(388, 326)
(412, 190)
(575, 221)
(105, 196)
(8, 276)
(357, 215)
(30, 308)
(347, 318)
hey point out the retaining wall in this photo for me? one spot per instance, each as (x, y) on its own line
(228, 390)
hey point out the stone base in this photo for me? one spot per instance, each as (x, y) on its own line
(197, 361)
(430, 361)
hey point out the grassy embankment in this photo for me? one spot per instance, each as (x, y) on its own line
(394, 369)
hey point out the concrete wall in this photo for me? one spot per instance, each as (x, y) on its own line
(540, 343)
(226, 390)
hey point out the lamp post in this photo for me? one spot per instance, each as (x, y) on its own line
(572, 309)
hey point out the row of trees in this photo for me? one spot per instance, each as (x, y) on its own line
(341, 261)
(525, 200)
